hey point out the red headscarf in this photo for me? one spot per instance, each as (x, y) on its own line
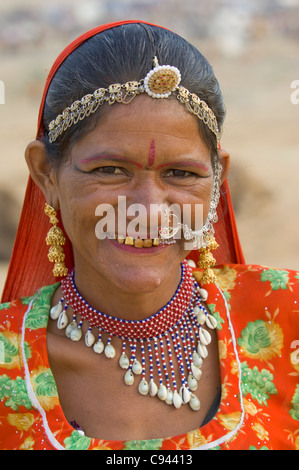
(30, 268)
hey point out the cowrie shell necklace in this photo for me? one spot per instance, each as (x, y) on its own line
(177, 332)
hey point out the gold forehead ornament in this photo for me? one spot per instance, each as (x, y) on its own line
(160, 82)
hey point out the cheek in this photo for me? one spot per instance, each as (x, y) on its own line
(196, 201)
(76, 218)
(206, 199)
(78, 204)
(200, 210)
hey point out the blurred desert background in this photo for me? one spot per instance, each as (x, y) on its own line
(254, 48)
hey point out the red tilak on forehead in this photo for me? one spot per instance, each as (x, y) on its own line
(151, 155)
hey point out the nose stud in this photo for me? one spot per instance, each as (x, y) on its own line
(168, 232)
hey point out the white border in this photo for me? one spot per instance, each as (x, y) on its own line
(30, 390)
(230, 434)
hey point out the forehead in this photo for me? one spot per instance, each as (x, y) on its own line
(144, 119)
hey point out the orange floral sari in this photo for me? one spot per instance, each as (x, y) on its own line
(257, 314)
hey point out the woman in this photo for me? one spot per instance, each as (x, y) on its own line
(132, 113)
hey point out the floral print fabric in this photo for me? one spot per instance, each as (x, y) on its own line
(257, 311)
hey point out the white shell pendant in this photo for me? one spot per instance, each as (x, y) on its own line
(56, 311)
(191, 263)
(89, 338)
(98, 347)
(70, 328)
(204, 336)
(200, 315)
(201, 318)
(124, 361)
(162, 392)
(62, 320)
(211, 321)
(177, 400)
(129, 378)
(192, 382)
(197, 373)
(153, 389)
(194, 402)
(197, 359)
(143, 387)
(109, 351)
(137, 367)
(203, 293)
(202, 350)
(196, 310)
(76, 334)
(169, 397)
(185, 394)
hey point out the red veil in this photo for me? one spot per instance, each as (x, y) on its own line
(30, 268)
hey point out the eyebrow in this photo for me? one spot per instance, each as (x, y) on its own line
(120, 158)
(116, 158)
(184, 163)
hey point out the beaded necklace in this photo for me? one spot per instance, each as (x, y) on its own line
(174, 333)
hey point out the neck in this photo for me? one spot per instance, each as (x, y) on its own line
(128, 301)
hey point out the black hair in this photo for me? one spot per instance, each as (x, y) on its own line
(122, 54)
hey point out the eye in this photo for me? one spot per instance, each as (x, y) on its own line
(179, 173)
(109, 170)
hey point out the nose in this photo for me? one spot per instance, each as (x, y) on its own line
(145, 206)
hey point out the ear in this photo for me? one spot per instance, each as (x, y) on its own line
(224, 158)
(42, 171)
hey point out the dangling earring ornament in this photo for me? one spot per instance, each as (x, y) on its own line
(56, 239)
(207, 261)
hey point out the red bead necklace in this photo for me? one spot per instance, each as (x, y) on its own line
(176, 327)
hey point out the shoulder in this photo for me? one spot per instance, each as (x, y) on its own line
(21, 320)
(263, 303)
(255, 292)
(244, 278)
(11, 313)
(264, 307)
(247, 278)
(256, 288)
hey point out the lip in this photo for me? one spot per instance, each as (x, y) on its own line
(137, 251)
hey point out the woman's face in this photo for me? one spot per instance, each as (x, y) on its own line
(149, 153)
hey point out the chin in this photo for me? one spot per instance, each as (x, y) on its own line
(139, 274)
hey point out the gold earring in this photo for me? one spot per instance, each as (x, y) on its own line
(207, 261)
(56, 239)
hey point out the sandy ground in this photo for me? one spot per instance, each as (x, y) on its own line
(261, 133)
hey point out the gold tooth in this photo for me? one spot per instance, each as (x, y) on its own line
(156, 241)
(138, 243)
(121, 239)
(129, 241)
(148, 243)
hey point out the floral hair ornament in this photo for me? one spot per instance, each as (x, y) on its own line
(160, 82)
